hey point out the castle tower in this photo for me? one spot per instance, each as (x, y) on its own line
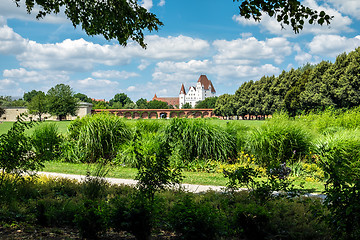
(182, 95)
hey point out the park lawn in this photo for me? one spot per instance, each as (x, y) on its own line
(63, 125)
(199, 178)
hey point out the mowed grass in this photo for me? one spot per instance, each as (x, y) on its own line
(198, 178)
(62, 125)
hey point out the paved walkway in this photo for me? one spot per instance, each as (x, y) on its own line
(186, 187)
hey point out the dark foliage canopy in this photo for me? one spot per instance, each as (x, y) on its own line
(126, 20)
(288, 12)
(114, 19)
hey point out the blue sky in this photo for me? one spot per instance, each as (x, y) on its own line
(198, 37)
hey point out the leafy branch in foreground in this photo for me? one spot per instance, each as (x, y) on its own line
(289, 12)
(114, 19)
(16, 155)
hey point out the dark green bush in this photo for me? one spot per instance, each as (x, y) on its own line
(250, 221)
(92, 219)
(134, 215)
(194, 220)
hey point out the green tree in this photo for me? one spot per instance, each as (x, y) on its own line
(83, 98)
(122, 20)
(187, 106)
(119, 100)
(29, 95)
(225, 106)
(156, 104)
(61, 101)
(2, 110)
(207, 103)
(142, 103)
(38, 105)
(288, 12)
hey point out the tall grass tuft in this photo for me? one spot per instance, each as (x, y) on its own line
(46, 141)
(99, 136)
(279, 140)
(343, 146)
(193, 139)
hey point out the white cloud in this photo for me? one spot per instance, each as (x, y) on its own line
(350, 7)
(147, 4)
(96, 88)
(339, 23)
(114, 74)
(161, 3)
(144, 64)
(252, 49)
(333, 45)
(131, 88)
(11, 42)
(80, 55)
(9, 10)
(46, 78)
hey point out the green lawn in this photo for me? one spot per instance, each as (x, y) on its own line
(200, 178)
(62, 125)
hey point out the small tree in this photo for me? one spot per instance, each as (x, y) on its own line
(37, 105)
(187, 106)
(29, 95)
(142, 103)
(2, 111)
(207, 103)
(61, 101)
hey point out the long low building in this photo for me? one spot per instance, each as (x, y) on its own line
(11, 113)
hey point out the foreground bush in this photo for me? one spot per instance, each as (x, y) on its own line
(211, 215)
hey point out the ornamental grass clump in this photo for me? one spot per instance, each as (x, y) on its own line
(98, 136)
(192, 139)
(279, 140)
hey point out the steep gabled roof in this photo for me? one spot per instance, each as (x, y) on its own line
(206, 83)
(182, 90)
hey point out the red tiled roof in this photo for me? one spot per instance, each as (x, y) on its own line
(169, 100)
(206, 83)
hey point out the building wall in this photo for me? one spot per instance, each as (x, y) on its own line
(12, 113)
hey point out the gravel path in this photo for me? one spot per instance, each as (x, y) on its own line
(187, 187)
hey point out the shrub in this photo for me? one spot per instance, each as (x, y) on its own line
(193, 220)
(132, 214)
(340, 154)
(279, 140)
(46, 141)
(250, 221)
(92, 219)
(16, 154)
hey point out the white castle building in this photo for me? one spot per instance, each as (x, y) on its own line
(203, 89)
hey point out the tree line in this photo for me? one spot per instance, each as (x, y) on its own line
(308, 88)
(61, 100)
